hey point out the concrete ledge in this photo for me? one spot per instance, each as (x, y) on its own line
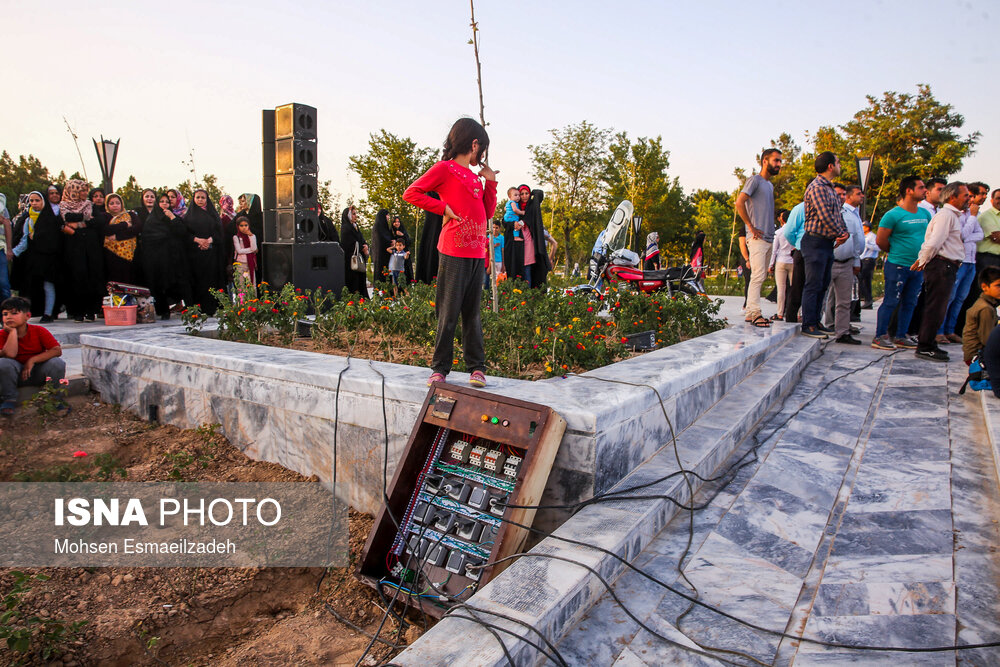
(279, 405)
(553, 595)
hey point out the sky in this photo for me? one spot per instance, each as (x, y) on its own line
(717, 80)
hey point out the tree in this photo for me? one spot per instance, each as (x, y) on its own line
(386, 170)
(131, 193)
(638, 172)
(714, 215)
(21, 177)
(908, 134)
(572, 164)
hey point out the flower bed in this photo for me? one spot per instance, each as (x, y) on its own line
(535, 333)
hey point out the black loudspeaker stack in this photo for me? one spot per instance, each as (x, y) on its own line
(292, 251)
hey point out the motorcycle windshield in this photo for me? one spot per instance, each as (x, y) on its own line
(616, 233)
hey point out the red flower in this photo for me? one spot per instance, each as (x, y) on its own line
(590, 309)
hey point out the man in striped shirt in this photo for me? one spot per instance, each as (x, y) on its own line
(824, 230)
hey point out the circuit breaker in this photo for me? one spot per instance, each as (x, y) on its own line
(472, 465)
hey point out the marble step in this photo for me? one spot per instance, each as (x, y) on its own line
(754, 548)
(552, 595)
(606, 634)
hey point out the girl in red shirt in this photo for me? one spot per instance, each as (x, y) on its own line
(466, 206)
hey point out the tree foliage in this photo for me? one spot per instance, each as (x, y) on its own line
(637, 171)
(386, 170)
(907, 133)
(572, 164)
(21, 177)
(713, 214)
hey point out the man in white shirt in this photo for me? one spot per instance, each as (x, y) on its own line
(868, 260)
(846, 265)
(932, 200)
(940, 257)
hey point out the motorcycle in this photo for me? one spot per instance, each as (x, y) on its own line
(611, 261)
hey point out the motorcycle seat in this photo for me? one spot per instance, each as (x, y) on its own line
(672, 273)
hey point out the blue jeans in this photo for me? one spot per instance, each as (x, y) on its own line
(817, 256)
(902, 287)
(4, 277)
(963, 283)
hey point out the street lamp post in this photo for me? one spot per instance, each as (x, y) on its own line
(107, 155)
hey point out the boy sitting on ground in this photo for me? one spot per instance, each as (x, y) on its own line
(29, 354)
(981, 318)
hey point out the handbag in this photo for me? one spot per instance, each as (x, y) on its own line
(358, 261)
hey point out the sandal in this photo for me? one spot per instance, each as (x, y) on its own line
(761, 322)
(477, 379)
(435, 377)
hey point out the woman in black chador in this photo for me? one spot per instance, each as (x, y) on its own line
(353, 241)
(205, 249)
(164, 259)
(533, 221)
(382, 238)
(427, 260)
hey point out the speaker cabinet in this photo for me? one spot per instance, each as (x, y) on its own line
(295, 121)
(308, 266)
(296, 191)
(270, 192)
(267, 126)
(297, 225)
(294, 156)
(267, 149)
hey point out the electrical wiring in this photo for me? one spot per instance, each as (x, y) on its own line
(627, 494)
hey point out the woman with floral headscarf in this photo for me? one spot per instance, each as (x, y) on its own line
(177, 203)
(651, 258)
(121, 238)
(83, 257)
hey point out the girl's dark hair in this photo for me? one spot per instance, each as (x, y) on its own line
(461, 136)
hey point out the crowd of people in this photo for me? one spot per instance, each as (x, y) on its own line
(63, 246)
(941, 267)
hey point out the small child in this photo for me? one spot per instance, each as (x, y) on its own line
(497, 243)
(513, 213)
(981, 318)
(398, 254)
(245, 245)
(29, 354)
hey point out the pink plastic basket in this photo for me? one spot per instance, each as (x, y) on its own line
(119, 317)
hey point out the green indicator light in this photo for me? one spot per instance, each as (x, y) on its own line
(494, 420)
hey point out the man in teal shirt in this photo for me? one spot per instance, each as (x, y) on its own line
(901, 233)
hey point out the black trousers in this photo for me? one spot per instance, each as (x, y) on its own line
(939, 278)
(459, 293)
(865, 281)
(793, 295)
(991, 359)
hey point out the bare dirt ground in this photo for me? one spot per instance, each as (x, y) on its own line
(179, 616)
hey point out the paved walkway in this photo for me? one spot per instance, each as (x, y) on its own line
(869, 518)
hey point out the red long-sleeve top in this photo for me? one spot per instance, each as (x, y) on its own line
(472, 202)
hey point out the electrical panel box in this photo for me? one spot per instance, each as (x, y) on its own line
(474, 465)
